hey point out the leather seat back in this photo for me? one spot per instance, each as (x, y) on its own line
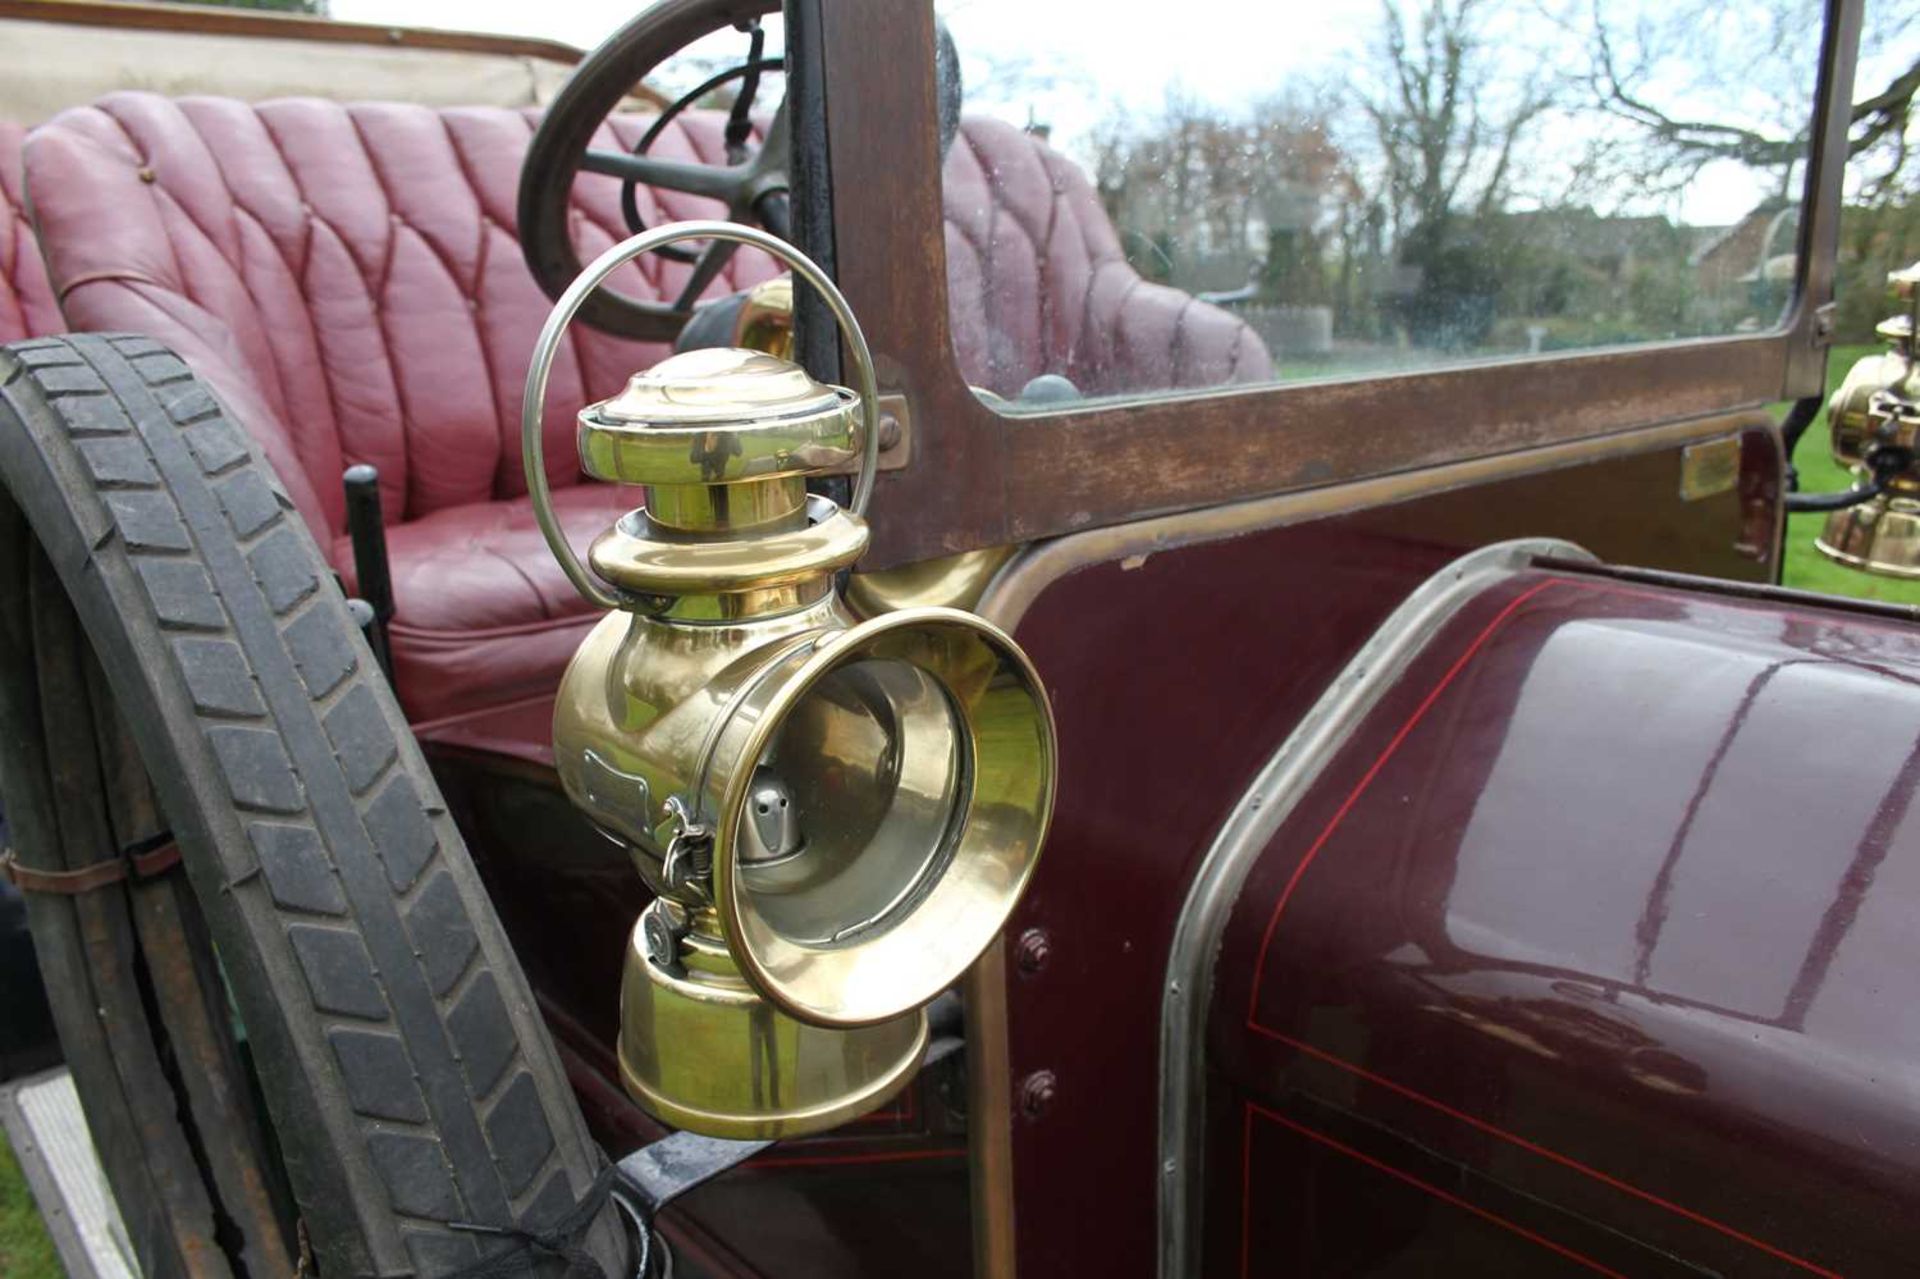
(27, 308)
(1038, 283)
(347, 277)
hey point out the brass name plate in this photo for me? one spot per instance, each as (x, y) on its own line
(1709, 468)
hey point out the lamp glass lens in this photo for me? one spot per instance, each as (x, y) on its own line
(853, 808)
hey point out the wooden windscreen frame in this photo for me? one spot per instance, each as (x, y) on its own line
(981, 478)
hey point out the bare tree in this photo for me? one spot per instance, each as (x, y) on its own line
(1197, 182)
(1650, 69)
(1448, 113)
(1445, 126)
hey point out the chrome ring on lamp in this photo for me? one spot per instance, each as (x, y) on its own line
(533, 403)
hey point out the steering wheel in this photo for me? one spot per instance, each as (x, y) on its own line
(753, 187)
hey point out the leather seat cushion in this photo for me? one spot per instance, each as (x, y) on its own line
(27, 306)
(483, 614)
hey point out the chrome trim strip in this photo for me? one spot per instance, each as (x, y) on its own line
(1248, 829)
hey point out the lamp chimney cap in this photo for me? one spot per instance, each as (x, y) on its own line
(719, 415)
(718, 386)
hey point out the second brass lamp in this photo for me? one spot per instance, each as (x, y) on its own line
(1875, 424)
(836, 817)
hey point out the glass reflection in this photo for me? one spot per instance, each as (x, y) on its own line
(1140, 203)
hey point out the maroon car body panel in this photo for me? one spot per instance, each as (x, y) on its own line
(1173, 681)
(1591, 947)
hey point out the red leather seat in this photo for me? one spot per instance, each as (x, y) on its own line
(27, 308)
(1038, 283)
(348, 281)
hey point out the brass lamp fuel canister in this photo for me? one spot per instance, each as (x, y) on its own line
(836, 816)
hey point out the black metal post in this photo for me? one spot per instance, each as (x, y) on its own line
(368, 531)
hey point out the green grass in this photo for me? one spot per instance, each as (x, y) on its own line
(25, 1250)
(1806, 568)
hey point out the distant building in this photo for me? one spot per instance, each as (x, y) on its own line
(1750, 251)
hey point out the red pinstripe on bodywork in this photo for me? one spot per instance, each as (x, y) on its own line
(1246, 1165)
(1367, 779)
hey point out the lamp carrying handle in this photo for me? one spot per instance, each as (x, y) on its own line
(532, 405)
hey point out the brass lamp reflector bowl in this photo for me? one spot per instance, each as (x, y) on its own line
(886, 806)
(836, 817)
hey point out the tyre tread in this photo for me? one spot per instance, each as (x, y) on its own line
(367, 912)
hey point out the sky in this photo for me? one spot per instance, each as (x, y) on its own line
(1074, 64)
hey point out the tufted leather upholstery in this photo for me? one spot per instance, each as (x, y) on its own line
(347, 279)
(1038, 283)
(27, 307)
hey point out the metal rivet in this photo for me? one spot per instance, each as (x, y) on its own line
(662, 946)
(1037, 1092)
(146, 174)
(1033, 951)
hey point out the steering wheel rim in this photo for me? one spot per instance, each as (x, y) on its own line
(562, 147)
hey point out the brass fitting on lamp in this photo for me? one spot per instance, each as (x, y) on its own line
(765, 319)
(836, 816)
(1875, 421)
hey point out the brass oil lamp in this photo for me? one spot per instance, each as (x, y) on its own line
(836, 816)
(1875, 420)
